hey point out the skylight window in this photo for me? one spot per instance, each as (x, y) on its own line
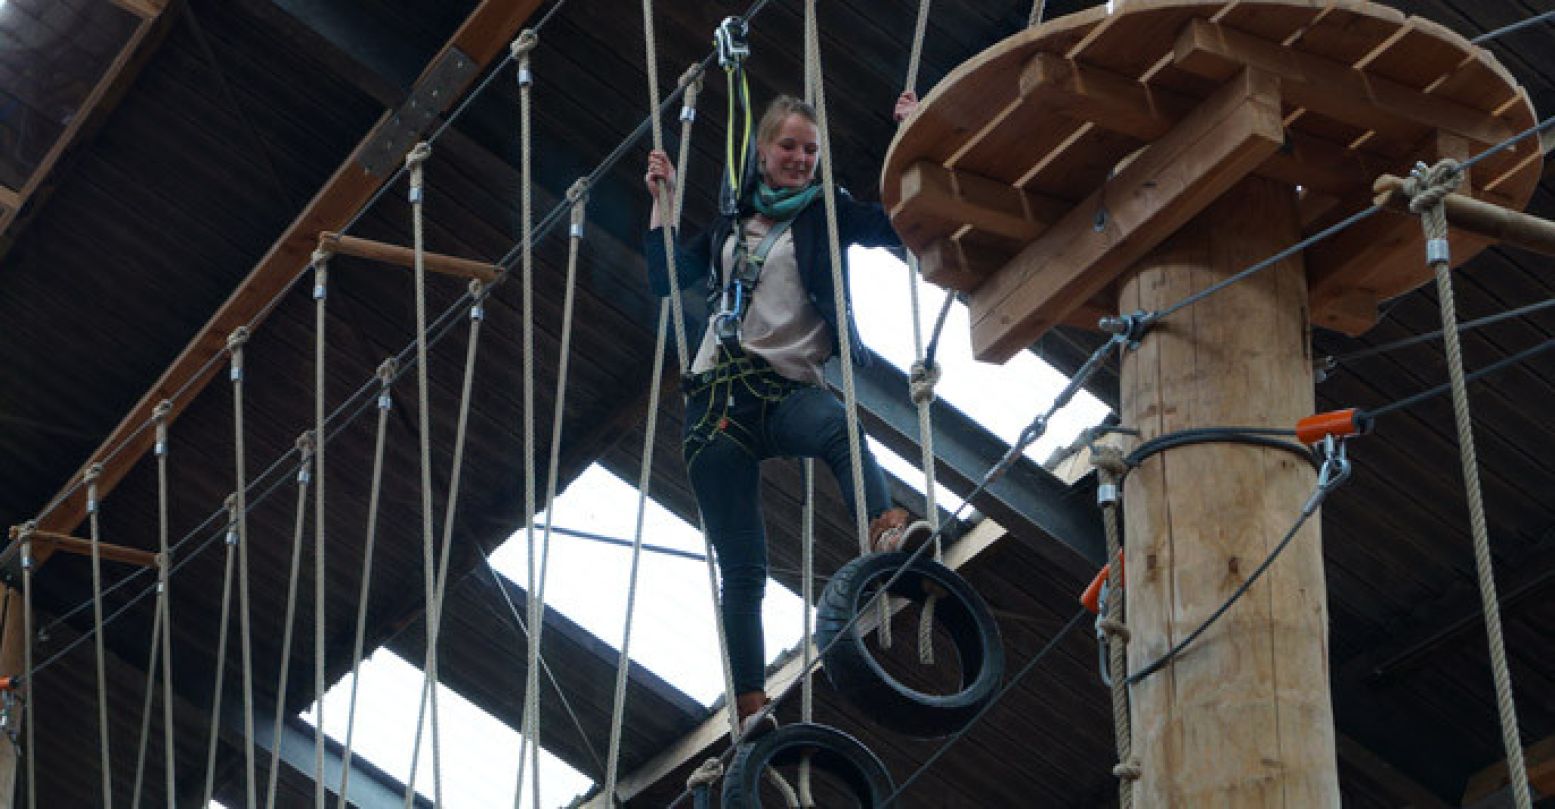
(673, 633)
(479, 759)
(1002, 398)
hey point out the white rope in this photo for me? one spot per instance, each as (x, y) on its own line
(146, 706)
(29, 720)
(807, 641)
(840, 300)
(521, 48)
(165, 596)
(414, 164)
(305, 449)
(1427, 189)
(92, 506)
(386, 373)
(221, 648)
(320, 680)
(235, 343)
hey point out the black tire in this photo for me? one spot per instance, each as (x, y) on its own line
(831, 750)
(859, 677)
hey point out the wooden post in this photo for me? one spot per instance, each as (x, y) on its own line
(1243, 718)
(12, 639)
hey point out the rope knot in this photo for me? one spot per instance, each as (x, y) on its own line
(578, 194)
(23, 532)
(1127, 770)
(237, 338)
(388, 371)
(1114, 628)
(231, 504)
(321, 257)
(306, 445)
(93, 472)
(417, 156)
(524, 44)
(477, 290)
(1109, 458)
(162, 410)
(691, 80)
(1427, 186)
(706, 775)
(922, 380)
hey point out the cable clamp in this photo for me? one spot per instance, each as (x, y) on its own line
(318, 292)
(1107, 494)
(1335, 470)
(1437, 251)
(1127, 329)
(688, 114)
(160, 449)
(232, 534)
(732, 41)
(237, 374)
(575, 230)
(416, 195)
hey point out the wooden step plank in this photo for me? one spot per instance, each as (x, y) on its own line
(938, 202)
(1395, 111)
(1229, 135)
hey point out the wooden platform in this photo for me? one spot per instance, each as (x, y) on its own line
(1014, 167)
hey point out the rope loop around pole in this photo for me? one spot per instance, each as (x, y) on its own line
(1427, 186)
(387, 371)
(524, 44)
(235, 341)
(1110, 459)
(92, 473)
(163, 409)
(415, 159)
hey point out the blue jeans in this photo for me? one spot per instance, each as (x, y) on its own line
(732, 425)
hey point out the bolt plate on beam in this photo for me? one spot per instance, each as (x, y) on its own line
(387, 147)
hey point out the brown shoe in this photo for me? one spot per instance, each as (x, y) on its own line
(891, 532)
(746, 706)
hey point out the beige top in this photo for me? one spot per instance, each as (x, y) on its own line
(781, 326)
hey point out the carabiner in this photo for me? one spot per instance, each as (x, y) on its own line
(732, 40)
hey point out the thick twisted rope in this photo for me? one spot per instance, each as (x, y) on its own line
(386, 375)
(529, 757)
(415, 162)
(840, 300)
(165, 595)
(320, 680)
(29, 719)
(235, 343)
(1426, 189)
(306, 446)
(221, 648)
(1038, 9)
(92, 505)
(1110, 470)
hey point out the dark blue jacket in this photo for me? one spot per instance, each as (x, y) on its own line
(699, 264)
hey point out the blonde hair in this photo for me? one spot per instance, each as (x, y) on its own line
(777, 112)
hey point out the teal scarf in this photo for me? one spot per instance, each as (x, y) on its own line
(784, 203)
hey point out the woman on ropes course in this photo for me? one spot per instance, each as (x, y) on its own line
(756, 389)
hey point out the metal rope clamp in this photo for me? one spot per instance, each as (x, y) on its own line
(1335, 470)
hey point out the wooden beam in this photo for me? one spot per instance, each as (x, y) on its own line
(1335, 89)
(485, 34)
(1401, 787)
(482, 271)
(10, 199)
(938, 202)
(698, 744)
(65, 543)
(1224, 139)
(1479, 218)
(142, 8)
(1486, 787)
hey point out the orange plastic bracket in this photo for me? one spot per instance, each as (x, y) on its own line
(1091, 598)
(1337, 423)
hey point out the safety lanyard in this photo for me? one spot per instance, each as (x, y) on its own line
(743, 277)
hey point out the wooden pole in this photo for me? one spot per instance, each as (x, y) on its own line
(1243, 718)
(12, 639)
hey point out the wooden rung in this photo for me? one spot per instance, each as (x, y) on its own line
(938, 202)
(1478, 217)
(406, 257)
(47, 542)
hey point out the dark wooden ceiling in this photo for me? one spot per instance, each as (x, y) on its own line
(248, 106)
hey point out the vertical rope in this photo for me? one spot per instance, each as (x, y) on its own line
(1038, 8)
(521, 49)
(165, 597)
(221, 648)
(840, 299)
(915, 57)
(92, 506)
(306, 446)
(807, 642)
(1427, 188)
(320, 682)
(29, 719)
(235, 342)
(386, 373)
(146, 703)
(415, 161)
(1110, 470)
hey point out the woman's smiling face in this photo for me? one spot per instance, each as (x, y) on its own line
(788, 161)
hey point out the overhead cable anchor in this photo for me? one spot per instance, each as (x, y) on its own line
(1127, 329)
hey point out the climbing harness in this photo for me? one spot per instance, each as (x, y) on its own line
(734, 304)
